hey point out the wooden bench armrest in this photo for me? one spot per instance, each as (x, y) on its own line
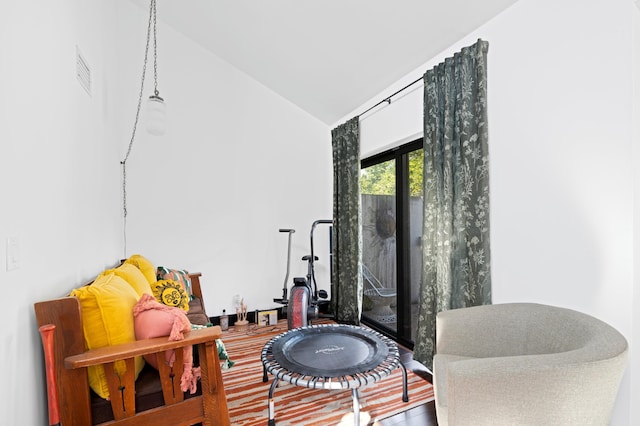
(114, 353)
(196, 287)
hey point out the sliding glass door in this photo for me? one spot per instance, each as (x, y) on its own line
(391, 187)
(379, 253)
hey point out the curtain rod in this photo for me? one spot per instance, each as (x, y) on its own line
(388, 98)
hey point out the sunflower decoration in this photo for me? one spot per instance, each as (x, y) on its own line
(171, 293)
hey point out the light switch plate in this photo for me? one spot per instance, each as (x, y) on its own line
(13, 253)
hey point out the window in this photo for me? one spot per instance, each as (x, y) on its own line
(391, 188)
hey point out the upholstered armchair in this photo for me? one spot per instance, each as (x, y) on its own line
(525, 364)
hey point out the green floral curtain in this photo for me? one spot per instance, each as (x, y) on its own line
(347, 238)
(456, 258)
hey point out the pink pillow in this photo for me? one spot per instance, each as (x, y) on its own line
(154, 319)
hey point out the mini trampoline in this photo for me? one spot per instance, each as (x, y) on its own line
(331, 356)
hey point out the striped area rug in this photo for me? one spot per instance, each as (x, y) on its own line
(247, 395)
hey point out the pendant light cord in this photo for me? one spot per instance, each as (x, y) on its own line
(155, 50)
(152, 18)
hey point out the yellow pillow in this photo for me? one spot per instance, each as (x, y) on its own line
(171, 293)
(107, 319)
(134, 276)
(145, 266)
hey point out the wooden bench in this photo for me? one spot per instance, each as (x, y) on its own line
(155, 398)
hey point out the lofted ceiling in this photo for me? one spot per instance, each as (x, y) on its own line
(327, 56)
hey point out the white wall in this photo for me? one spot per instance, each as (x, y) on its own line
(237, 164)
(560, 128)
(212, 193)
(58, 162)
(635, 355)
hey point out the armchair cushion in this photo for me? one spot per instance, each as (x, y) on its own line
(196, 313)
(107, 319)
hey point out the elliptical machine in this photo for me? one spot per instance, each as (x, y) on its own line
(304, 302)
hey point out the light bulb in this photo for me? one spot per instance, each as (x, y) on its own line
(156, 115)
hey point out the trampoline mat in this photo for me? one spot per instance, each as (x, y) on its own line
(329, 351)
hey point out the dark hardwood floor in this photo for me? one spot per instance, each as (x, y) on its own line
(422, 415)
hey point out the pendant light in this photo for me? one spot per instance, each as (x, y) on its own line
(155, 115)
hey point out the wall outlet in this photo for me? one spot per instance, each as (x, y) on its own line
(13, 253)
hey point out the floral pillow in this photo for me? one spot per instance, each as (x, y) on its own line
(223, 355)
(178, 275)
(226, 362)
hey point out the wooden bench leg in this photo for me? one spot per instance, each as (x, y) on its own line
(216, 411)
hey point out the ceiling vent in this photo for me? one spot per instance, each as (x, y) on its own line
(83, 72)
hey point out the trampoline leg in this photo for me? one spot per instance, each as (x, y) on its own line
(405, 393)
(356, 407)
(272, 415)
